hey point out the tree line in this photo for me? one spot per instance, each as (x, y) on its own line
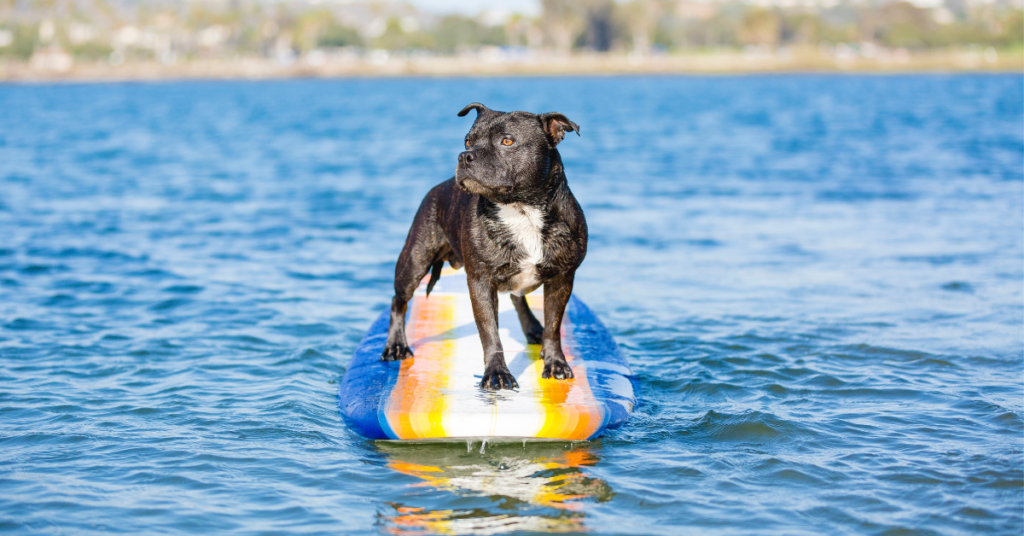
(178, 30)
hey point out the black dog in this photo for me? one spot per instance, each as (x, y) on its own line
(508, 217)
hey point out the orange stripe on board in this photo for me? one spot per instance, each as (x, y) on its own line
(582, 398)
(570, 409)
(417, 402)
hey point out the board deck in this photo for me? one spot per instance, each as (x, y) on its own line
(435, 395)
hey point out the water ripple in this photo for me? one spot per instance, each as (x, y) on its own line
(817, 281)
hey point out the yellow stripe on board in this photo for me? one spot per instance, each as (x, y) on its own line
(417, 401)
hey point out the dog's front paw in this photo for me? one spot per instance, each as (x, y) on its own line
(396, 351)
(498, 378)
(558, 370)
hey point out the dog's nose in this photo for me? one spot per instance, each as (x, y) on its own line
(466, 157)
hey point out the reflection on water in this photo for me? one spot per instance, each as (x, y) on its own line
(533, 486)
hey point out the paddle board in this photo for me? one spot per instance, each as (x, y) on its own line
(436, 394)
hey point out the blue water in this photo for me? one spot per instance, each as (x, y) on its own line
(818, 281)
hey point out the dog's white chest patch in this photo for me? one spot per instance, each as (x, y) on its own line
(525, 224)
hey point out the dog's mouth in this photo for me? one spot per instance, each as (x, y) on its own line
(474, 187)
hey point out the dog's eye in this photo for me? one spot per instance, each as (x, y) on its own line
(507, 141)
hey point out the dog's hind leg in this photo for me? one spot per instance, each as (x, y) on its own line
(425, 248)
(532, 327)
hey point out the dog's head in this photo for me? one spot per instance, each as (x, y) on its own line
(508, 156)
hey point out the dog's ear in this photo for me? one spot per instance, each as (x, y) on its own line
(556, 125)
(480, 109)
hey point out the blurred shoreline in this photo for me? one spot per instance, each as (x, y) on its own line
(498, 62)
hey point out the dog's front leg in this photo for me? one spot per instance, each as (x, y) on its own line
(556, 296)
(485, 312)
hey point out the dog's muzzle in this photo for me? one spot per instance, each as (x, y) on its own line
(465, 180)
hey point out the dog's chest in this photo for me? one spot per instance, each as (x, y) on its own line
(525, 225)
